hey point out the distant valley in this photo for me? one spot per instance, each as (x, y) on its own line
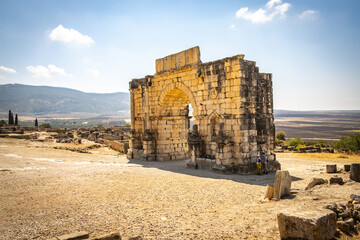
(64, 107)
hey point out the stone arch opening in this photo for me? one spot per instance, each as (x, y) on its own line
(180, 90)
(173, 125)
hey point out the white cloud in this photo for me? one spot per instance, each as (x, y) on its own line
(272, 9)
(70, 36)
(282, 9)
(232, 26)
(308, 14)
(6, 69)
(271, 3)
(47, 72)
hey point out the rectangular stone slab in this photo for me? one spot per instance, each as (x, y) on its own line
(311, 225)
(282, 184)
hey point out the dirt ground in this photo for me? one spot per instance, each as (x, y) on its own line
(46, 192)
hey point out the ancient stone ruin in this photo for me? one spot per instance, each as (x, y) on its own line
(232, 106)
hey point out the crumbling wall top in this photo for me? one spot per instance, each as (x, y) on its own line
(187, 57)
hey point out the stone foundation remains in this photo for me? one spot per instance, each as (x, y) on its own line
(232, 107)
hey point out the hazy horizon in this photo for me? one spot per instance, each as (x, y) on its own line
(311, 48)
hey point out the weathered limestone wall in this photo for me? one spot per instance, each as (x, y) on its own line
(232, 105)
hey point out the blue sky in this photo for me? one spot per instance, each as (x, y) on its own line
(312, 48)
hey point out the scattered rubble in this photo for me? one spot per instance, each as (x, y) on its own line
(348, 215)
(116, 138)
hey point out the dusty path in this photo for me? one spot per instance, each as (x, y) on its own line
(46, 192)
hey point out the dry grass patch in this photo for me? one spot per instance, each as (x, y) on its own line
(331, 157)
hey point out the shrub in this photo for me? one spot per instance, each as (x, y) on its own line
(278, 142)
(45, 125)
(300, 146)
(351, 143)
(295, 142)
(280, 135)
(127, 125)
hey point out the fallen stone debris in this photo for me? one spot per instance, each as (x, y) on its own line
(116, 138)
(348, 215)
(324, 223)
(282, 186)
(316, 181)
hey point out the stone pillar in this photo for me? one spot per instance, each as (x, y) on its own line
(148, 138)
(132, 109)
(223, 151)
(148, 145)
(194, 142)
(355, 172)
(133, 132)
(146, 108)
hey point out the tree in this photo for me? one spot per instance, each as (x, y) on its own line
(11, 118)
(2, 123)
(16, 120)
(351, 143)
(36, 123)
(280, 135)
(9, 121)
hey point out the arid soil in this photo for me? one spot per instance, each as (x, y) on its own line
(46, 192)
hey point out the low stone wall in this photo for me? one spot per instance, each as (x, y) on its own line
(210, 164)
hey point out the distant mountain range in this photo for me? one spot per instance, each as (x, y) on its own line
(57, 101)
(26, 99)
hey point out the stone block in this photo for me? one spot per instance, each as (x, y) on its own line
(282, 184)
(331, 168)
(347, 168)
(336, 180)
(74, 236)
(346, 226)
(355, 172)
(316, 181)
(111, 236)
(355, 197)
(311, 225)
(269, 193)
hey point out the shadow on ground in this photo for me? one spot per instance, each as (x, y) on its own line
(179, 166)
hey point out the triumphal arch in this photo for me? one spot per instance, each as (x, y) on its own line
(232, 107)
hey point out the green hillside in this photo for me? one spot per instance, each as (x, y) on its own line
(44, 100)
